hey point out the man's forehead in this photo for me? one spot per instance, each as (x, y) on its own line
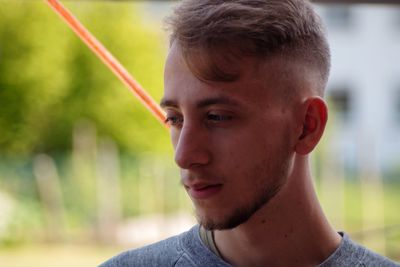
(259, 81)
(198, 62)
(213, 64)
(205, 101)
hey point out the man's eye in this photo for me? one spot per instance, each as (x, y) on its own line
(174, 120)
(218, 117)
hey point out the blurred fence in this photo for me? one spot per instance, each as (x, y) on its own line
(97, 193)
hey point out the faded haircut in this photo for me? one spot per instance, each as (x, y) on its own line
(214, 35)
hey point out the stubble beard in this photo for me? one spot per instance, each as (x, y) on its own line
(261, 198)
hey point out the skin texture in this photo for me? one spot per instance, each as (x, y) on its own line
(244, 146)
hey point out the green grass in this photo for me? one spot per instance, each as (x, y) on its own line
(372, 219)
(47, 255)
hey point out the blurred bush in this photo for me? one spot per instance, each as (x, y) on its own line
(58, 99)
(49, 79)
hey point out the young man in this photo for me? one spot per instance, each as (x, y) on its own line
(244, 82)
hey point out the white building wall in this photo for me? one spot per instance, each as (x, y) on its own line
(366, 60)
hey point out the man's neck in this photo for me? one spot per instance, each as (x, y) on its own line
(290, 230)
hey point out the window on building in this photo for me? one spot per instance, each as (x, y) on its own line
(339, 16)
(339, 100)
(396, 17)
(396, 106)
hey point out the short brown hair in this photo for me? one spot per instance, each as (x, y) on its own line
(219, 32)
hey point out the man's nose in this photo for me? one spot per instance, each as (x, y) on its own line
(192, 148)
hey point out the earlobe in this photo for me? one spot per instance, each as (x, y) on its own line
(314, 119)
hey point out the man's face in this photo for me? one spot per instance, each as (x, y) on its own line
(233, 141)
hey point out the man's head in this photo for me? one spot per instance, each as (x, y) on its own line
(215, 35)
(243, 82)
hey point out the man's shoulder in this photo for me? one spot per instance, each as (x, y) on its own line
(167, 251)
(184, 250)
(351, 253)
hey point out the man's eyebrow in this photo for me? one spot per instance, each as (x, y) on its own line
(168, 103)
(217, 101)
(202, 103)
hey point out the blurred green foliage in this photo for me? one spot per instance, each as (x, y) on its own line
(50, 83)
(49, 79)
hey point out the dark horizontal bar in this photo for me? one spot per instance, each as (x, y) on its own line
(357, 1)
(396, 2)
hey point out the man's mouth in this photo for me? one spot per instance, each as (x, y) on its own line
(203, 191)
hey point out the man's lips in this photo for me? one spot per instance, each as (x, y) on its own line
(203, 191)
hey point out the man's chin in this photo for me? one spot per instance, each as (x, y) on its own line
(222, 222)
(225, 219)
(211, 221)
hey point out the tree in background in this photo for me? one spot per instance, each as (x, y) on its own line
(49, 80)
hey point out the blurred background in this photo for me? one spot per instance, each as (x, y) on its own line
(86, 171)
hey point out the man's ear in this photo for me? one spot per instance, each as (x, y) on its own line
(315, 116)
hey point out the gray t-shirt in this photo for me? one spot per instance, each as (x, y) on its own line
(187, 250)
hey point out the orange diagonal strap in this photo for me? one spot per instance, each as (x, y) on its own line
(108, 59)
